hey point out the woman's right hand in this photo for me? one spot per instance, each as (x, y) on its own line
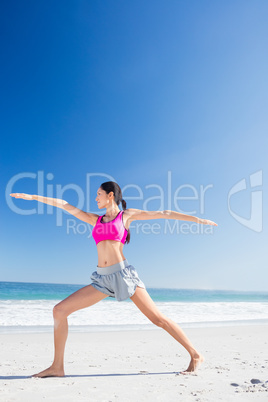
(23, 196)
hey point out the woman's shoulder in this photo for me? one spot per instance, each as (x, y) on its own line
(126, 212)
(130, 211)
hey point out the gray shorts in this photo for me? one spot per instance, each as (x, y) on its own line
(118, 280)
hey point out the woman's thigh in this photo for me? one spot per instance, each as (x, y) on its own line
(143, 301)
(84, 297)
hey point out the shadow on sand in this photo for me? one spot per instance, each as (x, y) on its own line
(22, 377)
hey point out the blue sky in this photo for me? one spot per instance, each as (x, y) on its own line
(163, 97)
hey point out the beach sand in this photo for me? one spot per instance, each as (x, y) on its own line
(138, 366)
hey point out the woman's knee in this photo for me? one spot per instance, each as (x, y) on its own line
(59, 312)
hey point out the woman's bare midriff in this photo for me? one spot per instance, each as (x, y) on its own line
(109, 252)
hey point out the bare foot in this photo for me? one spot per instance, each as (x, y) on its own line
(194, 364)
(50, 372)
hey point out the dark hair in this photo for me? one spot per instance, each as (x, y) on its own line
(109, 186)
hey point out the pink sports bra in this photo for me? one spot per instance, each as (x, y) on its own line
(112, 230)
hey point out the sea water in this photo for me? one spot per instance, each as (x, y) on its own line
(27, 307)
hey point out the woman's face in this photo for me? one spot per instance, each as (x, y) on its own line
(102, 199)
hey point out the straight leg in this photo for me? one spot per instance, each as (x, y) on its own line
(147, 306)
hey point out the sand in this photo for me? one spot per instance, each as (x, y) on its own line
(138, 366)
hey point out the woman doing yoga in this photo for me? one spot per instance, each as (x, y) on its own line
(114, 277)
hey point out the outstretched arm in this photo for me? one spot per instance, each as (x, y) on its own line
(139, 214)
(57, 202)
(184, 217)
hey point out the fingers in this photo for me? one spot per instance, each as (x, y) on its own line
(16, 195)
(207, 222)
(20, 195)
(212, 223)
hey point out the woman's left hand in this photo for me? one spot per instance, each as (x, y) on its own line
(207, 222)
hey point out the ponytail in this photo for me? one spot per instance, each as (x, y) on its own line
(124, 204)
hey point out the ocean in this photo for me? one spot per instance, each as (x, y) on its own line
(27, 307)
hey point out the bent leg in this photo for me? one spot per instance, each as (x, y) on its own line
(147, 306)
(84, 297)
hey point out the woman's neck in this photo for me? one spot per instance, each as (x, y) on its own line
(112, 212)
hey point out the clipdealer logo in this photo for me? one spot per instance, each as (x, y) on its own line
(167, 198)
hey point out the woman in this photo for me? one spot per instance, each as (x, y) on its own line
(114, 277)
